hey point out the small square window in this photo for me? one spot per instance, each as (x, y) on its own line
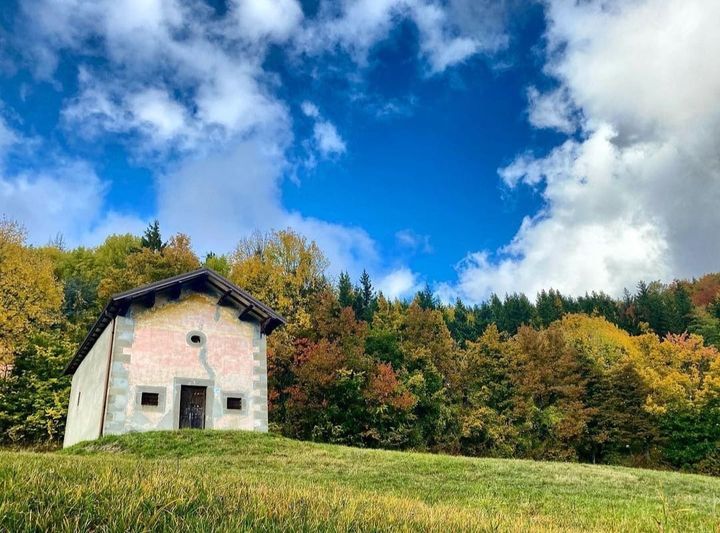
(150, 398)
(234, 403)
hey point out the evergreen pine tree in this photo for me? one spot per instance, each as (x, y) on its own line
(346, 292)
(426, 299)
(683, 308)
(460, 326)
(152, 238)
(365, 299)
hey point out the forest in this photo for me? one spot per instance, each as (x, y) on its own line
(631, 381)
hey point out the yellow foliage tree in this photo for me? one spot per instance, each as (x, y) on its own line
(30, 295)
(148, 265)
(283, 270)
(597, 339)
(425, 336)
(680, 370)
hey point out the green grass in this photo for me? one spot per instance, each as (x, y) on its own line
(234, 481)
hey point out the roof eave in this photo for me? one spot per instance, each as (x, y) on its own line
(268, 318)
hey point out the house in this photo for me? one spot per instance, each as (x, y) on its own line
(184, 352)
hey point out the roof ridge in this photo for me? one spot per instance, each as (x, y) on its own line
(118, 303)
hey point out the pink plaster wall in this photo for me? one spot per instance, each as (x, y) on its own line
(159, 353)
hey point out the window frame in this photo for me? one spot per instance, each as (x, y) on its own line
(243, 403)
(160, 391)
(152, 397)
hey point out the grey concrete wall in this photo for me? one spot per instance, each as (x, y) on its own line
(152, 353)
(87, 393)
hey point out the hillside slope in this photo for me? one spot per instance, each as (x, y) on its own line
(192, 480)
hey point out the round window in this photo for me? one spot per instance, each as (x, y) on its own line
(196, 338)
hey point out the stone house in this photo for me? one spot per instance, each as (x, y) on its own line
(184, 352)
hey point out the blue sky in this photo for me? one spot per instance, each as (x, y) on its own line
(478, 146)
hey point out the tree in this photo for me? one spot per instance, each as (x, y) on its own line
(550, 391)
(599, 304)
(33, 398)
(682, 308)
(324, 397)
(151, 238)
(365, 299)
(30, 295)
(282, 269)
(516, 311)
(346, 292)
(551, 306)
(460, 323)
(218, 263)
(148, 265)
(486, 416)
(426, 299)
(615, 393)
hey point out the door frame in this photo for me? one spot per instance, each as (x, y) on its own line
(209, 385)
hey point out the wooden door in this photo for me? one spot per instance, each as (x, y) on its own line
(192, 407)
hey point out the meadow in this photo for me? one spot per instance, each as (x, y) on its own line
(230, 481)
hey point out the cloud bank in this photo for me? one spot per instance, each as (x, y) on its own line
(185, 88)
(634, 195)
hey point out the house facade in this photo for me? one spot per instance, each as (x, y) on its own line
(185, 352)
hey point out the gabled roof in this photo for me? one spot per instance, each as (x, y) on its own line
(198, 279)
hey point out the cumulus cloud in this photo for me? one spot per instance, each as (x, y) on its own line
(552, 110)
(399, 283)
(62, 197)
(636, 196)
(327, 140)
(221, 198)
(189, 88)
(174, 74)
(449, 32)
(272, 19)
(310, 109)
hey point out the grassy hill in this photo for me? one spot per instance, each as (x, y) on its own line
(227, 481)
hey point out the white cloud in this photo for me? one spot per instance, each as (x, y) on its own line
(63, 200)
(551, 110)
(221, 198)
(438, 42)
(449, 32)
(327, 139)
(636, 197)
(310, 109)
(399, 283)
(153, 108)
(274, 19)
(63, 197)
(174, 74)
(182, 84)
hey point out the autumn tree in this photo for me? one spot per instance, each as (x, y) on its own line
(550, 390)
(683, 377)
(615, 392)
(148, 265)
(282, 269)
(339, 394)
(30, 295)
(486, 416)
(33, 398)
(218, 263)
